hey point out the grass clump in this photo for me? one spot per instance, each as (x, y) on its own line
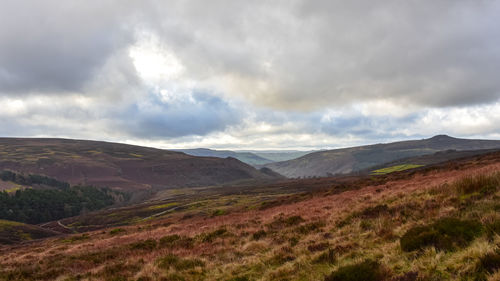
(211, 236)
(479, 184)
(259, 234)
(176, 241)
(367, 270)
(179, 264)
(446, 234)
(327, 256)
(148, 244)
(310, 227)
(489, 262)
(116, 231)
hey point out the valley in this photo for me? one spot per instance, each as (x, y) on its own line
(284, 229)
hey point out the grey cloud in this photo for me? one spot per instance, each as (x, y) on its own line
(59, 46)
(311, 54)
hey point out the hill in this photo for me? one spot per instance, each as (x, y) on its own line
(14, 232)
(353, 159)
(245, 157)
(280, 155)
(437, 223)
(121, 166)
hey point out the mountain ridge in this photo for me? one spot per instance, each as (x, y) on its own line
(352, 159)
(120, 166)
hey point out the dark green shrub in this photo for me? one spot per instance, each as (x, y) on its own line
(116, 231)
(259, 234)
(310, 227)
(493, 229)
(327, 256)
(293, 241)
(293, 220)
(176, 241)
(318, 247)
(148, 244)
(239, 278)
(446, 234)
(284, 255)
(209, 237)
(374, 212)
(489, 262)
(367, 270)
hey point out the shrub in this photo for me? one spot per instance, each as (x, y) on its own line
(307, 228)
(489, 262)
(148, 244)
(282, 256)
(259, 234)
(481, 184)
(176, 241)
(173, 261)
(446, 234)
(318, 247)
(374, 212)
(173, 241)
(493, 229)
(327, 256)
(116, 231)
(209, 237)
(367, 270)
(285, 222)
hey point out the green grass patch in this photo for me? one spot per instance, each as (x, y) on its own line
(163, 206)
(396, 168)
(367, 270)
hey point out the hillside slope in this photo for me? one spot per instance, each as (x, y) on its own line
(246, 157)
(120, 166)
(449, 212)
(347, 160)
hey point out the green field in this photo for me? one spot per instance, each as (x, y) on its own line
(396, 168)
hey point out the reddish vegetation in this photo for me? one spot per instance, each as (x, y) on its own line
(120, 166)
(322, 210)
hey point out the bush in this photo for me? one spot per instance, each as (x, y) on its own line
(446, 234)
(489, 262)
(209, 237)
(259, 234)
(116, 231)
(149, 244)
(327, 256)
(367, 270)
(481, 184)
(307, 228)
(374, 212)
(176, 241)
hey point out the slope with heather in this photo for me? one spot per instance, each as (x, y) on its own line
(348, 160)
(121, 166)
(438, 223)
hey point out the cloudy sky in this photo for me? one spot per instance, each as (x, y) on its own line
(250, 74)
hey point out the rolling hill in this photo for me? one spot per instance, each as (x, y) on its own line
(246, 157)
(437, 223)
(353, 159)
(121, 166)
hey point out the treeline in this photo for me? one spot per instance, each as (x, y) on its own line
(42, 205)
(32, 179)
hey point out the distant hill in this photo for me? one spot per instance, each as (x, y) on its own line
(347, 160)
(120, 166)
(283, 155)
(246, 157)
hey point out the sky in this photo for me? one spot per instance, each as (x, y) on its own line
(293, 74)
